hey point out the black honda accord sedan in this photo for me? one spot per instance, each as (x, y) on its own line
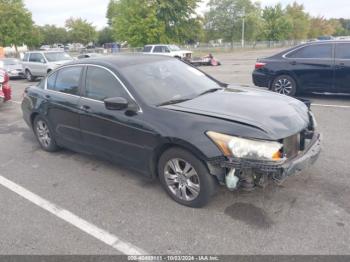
(167, 119)
(322, 66)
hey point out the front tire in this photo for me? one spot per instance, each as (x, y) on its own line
(29, 76)
(185, 178)
(44, 134)
(284, 85)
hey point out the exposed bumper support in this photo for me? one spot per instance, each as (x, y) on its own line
(279, 170)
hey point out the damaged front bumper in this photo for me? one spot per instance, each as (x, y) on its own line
(279, 170)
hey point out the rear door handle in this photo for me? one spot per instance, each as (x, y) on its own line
(340, 65)
(293, 62)
(47, 96)
(85, 107)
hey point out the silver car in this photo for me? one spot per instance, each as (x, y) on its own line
(40, 63)
(12, 66)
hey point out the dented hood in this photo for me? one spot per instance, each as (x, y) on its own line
(277, 115)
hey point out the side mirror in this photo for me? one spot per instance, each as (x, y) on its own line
(42, 61)
(116, 103)
(120, 103)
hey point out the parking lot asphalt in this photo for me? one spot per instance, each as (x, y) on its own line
(308, 214)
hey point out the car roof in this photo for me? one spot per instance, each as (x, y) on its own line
(341, 41)
(122, 60)
(43, 51)
(158, 44)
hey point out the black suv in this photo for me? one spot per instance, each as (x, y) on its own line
(321, 66)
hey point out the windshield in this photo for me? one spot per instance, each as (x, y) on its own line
(174, 48)
(168, 80)
(57, 56)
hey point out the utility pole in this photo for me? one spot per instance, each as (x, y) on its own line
(243, 26)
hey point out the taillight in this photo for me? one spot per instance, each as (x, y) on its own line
(259, 65)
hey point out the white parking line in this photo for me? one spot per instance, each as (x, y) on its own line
(98, 233)
(334, 106)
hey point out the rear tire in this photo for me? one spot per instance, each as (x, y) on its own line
(190, 184)
(44, 134)
(284, 85)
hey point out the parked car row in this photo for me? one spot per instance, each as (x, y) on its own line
(34, 64)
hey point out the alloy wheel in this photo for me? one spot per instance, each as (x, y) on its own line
(182, 179)
(283, 86)
(28, 76)
(43, 133)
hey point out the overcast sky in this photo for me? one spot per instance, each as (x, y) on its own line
(56, 12)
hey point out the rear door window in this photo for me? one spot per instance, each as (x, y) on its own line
(101, 84)
(342, 51)
(68, 79)
(161, 49)
(323, 51)
(36, 58)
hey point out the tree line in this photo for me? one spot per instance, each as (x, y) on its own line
(140, 22)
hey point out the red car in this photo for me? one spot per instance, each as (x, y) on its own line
(5, 88)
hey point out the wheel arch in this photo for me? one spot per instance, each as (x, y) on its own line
(288, 73)
(174, 143)
(32, 117)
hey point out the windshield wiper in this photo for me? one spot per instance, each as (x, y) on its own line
(174, 101)
(212, 90)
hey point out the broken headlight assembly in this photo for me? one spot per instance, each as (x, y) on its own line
(232, 146)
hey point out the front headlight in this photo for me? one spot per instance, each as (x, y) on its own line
(247, 148)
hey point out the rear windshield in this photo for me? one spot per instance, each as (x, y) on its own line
(57, 56)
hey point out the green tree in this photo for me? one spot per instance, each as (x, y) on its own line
(142, 22)
(136, 22)
(53, 35)
(36, 38)
(16, 24)
(340, 29)
(191, 31)
(299, 20)
(276, 27)
(177, 17)
(105, 36)
(224, 19)
(321, 27)
(346, 26)
(81, 31)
